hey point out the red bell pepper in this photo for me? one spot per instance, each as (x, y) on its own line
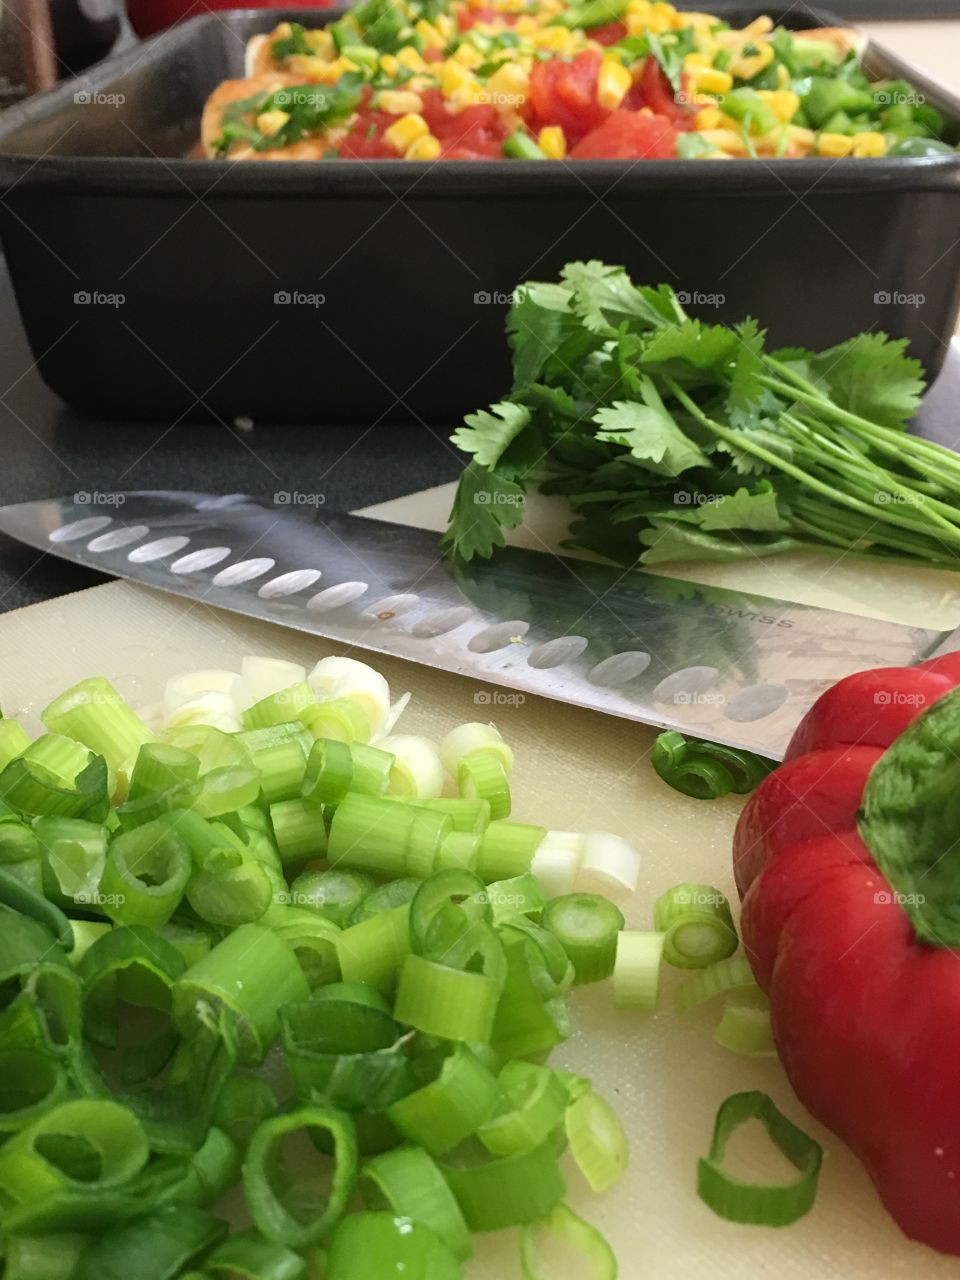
(851, 921)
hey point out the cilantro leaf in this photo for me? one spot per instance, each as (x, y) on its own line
(605, 297)
(745, 388)
(744, 509)
(705, 346)
(873, 377)
(538, 320)
(484, 505)
(487, 434)
(650, 433)
(669, 539)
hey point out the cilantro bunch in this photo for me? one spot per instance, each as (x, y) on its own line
(678, 440)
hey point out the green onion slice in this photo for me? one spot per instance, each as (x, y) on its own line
(409, 1183)
(250, 1257)
(145, 875)
(47, 1257)
(507, 849)
(461, 889)
(54, 777)
(481, 776)
(706, 770)
(329, 772)
(386, 897)
(697, 924)
(535, 1100)
(301, 1215)
(744, 1026)
(561, 1233)
(450, 1108)
(243, 1103)
(597, 1140)
(31, 1082)
(371, 833)
(761, 1204)
(335, 894)
(299, 830)
(732, 974)
(20, 898)
(636, 972)
(452, 1004)
(508, 1192)
(587, 927)
(252, 973)
(156, 1247)
(229, 779)
(373, 950)
(373, 1246)
(92, 712)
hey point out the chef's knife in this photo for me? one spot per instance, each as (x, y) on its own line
(720, 664)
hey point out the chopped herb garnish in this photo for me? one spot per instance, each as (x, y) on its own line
(294, 43)
(309, 108)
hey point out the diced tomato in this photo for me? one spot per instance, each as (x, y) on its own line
(655, 91)
(365, 141)
(565, 94)
(432, 55)
(466, 18)
(476, 133)
(628, 135)
(608, 34)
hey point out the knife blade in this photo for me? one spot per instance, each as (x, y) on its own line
(730, 666)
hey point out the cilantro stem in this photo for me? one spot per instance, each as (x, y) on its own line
(832, 492)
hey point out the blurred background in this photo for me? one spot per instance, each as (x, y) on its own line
(42, 41)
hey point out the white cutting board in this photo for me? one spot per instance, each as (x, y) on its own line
(575, 769)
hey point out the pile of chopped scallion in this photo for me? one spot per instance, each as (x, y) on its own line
(259, 864)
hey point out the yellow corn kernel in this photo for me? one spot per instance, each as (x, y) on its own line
(697, 20)
(444, 24)
(399, 102)
(425, 148)
(708, 118)
(639, 8)
(406, 131)
(758, 27)
(613, 83)
(430, 35)
(746, 67)
(553, 142)
(307, 65)
(834, 144)
(408, 57)
(726, 140)
(696, 60)
(869, 144)
(803, 137)
(469, 55)
(784, 103)
(783, 76)
(420, 84)
(558, 39)
(453, 76)
(508, 86)
(710, 80)
(320, 42)
(272, 121)
(525, 25)
(332, 71)
(389, 64)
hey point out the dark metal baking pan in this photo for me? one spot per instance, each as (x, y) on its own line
(160, 288)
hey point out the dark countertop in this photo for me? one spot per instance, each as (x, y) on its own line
(49, 449)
